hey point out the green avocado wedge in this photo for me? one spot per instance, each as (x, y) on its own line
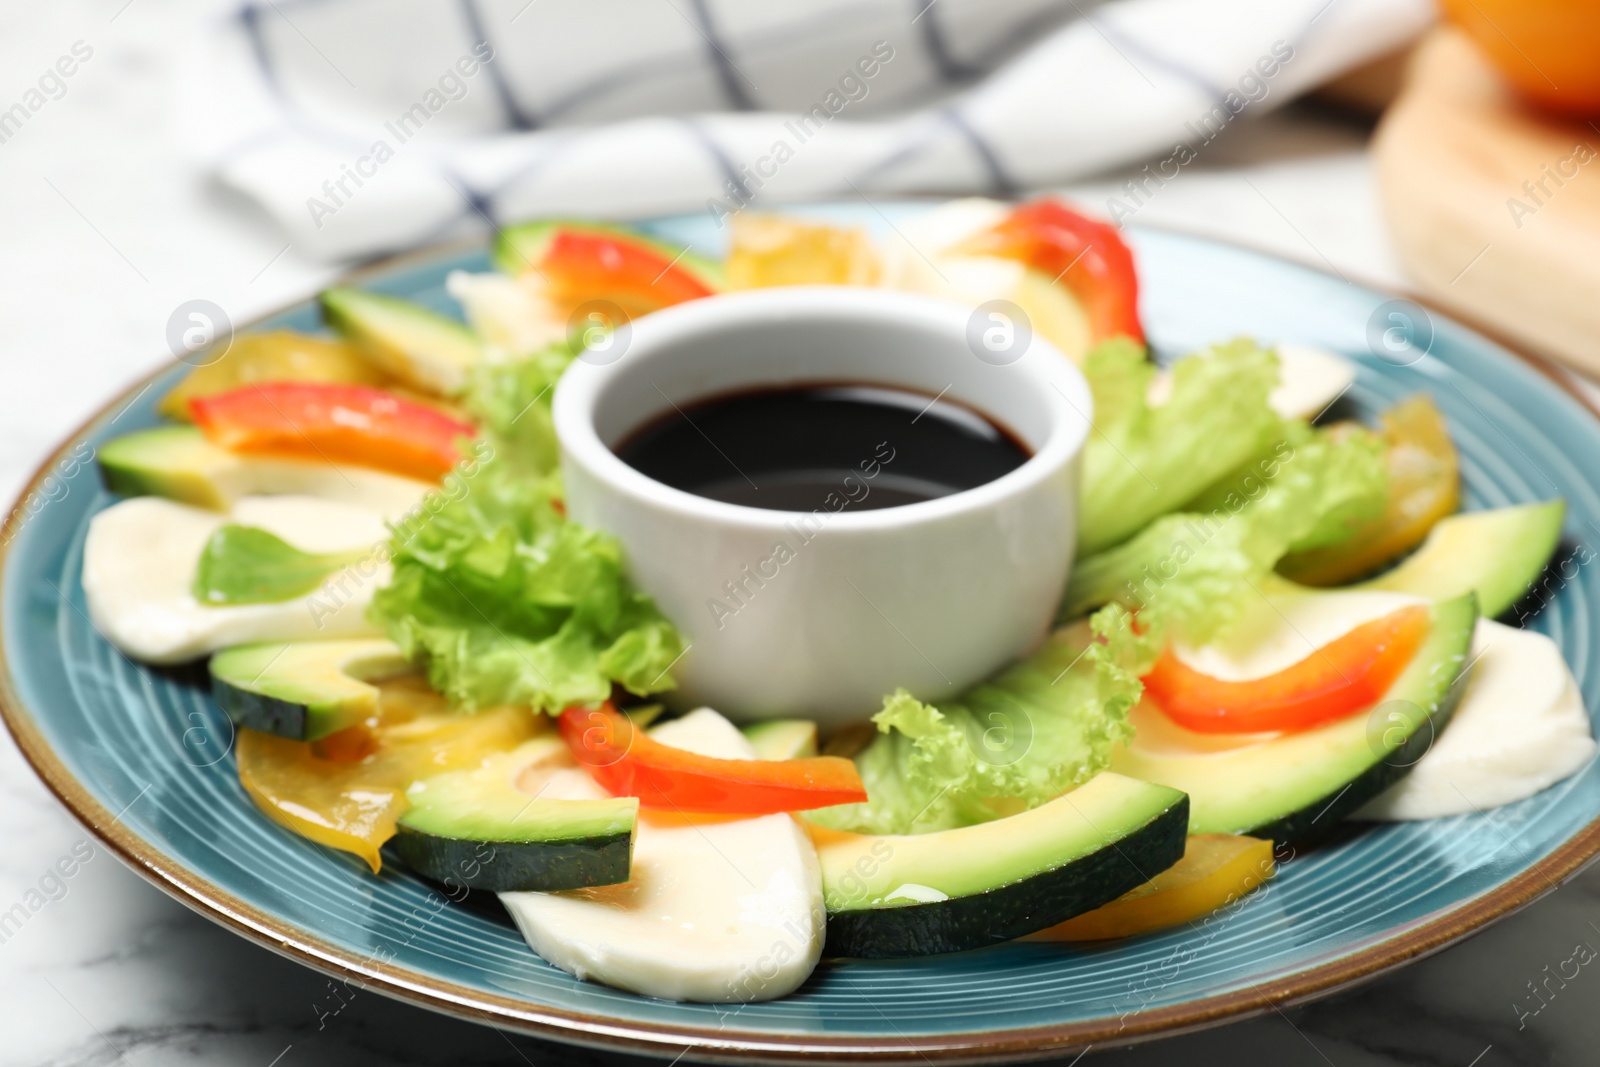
(178, 463)
(782, 738)
(175, 462)
(1498, 554)
(419, 346)
(1294, 786)
(476, 828)
(917, 895)
(303, 690)
(517, 248)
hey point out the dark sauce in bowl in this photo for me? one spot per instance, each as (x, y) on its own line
(800, 448)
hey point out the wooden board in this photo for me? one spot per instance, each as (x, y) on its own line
(1495, 209)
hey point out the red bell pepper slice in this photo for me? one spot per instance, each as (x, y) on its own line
(583, 265)
(626, 761)
(337, 423)
(1087, 255)
(1340, 678)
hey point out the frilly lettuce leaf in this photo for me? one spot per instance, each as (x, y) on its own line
(1008, 744)
(1142, 461)
(500, 597)
(511, 400)
(1341, 472)
(1194, 570)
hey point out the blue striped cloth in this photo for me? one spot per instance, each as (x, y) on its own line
(365, 126)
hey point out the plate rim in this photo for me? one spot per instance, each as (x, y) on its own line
(721, 1045)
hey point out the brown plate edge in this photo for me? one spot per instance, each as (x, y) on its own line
(721, 1045)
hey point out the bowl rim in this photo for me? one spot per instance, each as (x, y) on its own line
(1063, 392)
(666, 1040)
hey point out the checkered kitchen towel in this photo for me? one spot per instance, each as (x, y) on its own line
(365, 126)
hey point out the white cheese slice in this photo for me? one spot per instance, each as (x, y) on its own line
(1520, 728)
(717, 909)
(139, 562)
(937, 230)
(312, 524)
(1309, 381)
(234, 477)
(917, 258)
(512, 315)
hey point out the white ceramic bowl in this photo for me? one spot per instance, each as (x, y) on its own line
(929, 596)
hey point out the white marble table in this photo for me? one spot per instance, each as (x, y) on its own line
(107, 229)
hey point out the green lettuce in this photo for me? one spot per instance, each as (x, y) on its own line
(1143, 461)
(1194, 570)
(511, 401)
(1038, 728)
(1342, 474)
(249, 565)
(501, 598)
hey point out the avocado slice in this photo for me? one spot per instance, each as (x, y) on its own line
(645, 714)
(517, 248)
(1296, 785)
(1498, 554)
(478, 829)
(782, 738)
(420, 347)
(303, 690)
(178, 463)
(175, 462)
(952, 890)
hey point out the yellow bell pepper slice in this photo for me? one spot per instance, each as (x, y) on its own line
(1424, 487)
(347, 790)
(767, 250)
(1216, 870)
(276, 356)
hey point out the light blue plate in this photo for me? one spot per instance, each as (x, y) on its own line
(143, 757)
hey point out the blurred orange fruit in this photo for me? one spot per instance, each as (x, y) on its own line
(1548, 49)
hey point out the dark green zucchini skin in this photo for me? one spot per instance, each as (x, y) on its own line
(513, 866)
(1319, 818)
(256, 711)
(1014, 910)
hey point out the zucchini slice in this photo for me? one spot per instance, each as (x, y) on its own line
(478, 829)
(952, 890)
(303, 690)
(419, 346)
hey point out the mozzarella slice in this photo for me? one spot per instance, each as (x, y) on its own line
(937, 230)
(1520, 728)
(512, 315)
(917, 258)
(717, 909)
(391, 496)
(139, 562)
(1309, 381)
(312, 524)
